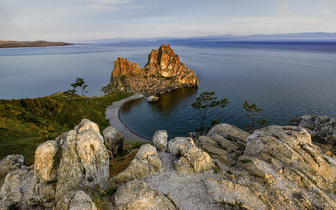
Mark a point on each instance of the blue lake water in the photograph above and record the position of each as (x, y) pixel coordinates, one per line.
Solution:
(285, 80)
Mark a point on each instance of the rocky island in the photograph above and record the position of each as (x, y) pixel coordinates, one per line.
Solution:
(162, 73)
(276, 167)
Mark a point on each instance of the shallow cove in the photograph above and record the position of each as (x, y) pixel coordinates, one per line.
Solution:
(159, 116)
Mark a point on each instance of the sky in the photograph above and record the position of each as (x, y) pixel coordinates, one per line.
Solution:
(81, 20)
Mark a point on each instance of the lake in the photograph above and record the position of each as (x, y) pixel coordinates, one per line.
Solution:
(286, 80)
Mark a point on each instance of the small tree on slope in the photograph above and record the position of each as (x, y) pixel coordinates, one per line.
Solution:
(253, 111)
(206, 101)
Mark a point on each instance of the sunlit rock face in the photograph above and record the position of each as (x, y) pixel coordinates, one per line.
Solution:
(162, 73)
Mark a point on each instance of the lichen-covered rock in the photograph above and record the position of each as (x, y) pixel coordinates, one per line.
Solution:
(138, 195)
(163, 72)
(146, 162)
(227, 192)
(19, 188)
(160, 140)
(294, 168)
(10, 163)
(84, 160)
(44, 160)
(185, 147)
(321, 128)
(76, 200)
(114, 140)
(228, 131)
(292, 146)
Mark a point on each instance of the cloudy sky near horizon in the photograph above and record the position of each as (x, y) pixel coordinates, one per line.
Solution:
(80, 20)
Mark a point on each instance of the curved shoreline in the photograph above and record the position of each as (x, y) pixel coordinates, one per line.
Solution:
(112, 114)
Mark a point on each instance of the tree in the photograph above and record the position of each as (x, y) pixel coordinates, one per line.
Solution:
(253, 111)
(206, 101)
(79, 83)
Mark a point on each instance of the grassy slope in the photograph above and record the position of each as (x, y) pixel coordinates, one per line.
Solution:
(26, 123)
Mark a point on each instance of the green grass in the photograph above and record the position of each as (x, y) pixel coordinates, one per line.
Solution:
(137, 144)
(25, 123)
(246, 161)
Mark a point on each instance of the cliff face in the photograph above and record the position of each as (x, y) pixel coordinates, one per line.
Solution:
(162, 73)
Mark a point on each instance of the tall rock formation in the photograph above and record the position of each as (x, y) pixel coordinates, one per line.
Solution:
(162, 73)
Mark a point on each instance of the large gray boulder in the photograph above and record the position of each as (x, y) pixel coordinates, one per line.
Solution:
(114, 140)
(84, 160)
(146, 162)
(76, 160)
(76, 200)
(10, 163)
(18, 189)
(160, 140)
(321, 128)
(228, 131)
(191, 159)
(138, 195)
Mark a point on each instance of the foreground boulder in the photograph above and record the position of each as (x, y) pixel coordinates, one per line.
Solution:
(160, 140)
(114, 140)
(224, 143)
(76, 200)
(191, 159)
(138, 195)
(162, 73)
(18, 189)
(146, 162)
(321, 128)
(10, 163)
(76, 160)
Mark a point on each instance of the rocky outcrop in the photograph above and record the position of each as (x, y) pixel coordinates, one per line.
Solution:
(76, 200)
(162, 73)
(190, 158)
(225, 143)
(114, 141)
(322, 129)
(138, 195)
(160, 140)
(10, 163)
(76, 160)
(277, 167)
(146, 162)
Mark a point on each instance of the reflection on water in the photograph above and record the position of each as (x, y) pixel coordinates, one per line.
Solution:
(166, 113)
(174, 100)
(125, 109)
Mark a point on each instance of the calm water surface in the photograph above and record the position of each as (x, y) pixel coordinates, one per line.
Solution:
(285, 80)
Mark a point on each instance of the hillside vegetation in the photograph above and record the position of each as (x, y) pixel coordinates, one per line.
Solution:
(25, 123)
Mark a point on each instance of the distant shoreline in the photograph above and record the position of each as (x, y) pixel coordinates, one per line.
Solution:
(18, 44)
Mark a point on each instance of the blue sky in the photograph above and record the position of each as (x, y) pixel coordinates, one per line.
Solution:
(80, 20)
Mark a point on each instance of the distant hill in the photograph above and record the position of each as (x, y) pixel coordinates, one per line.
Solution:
(317, 37)
(12, 44)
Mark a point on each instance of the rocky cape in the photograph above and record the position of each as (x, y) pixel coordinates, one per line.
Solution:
(162, 73)
(276, 167)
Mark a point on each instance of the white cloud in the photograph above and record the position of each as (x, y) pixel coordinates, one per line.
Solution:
(284, 10)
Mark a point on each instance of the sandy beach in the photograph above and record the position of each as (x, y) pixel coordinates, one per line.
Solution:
(112, 114)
